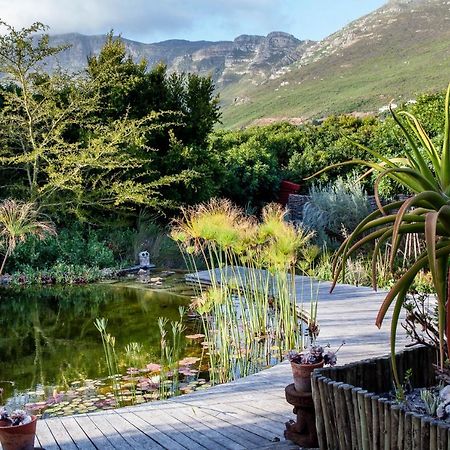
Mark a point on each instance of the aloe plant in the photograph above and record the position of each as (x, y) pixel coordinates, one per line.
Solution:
(424, 170)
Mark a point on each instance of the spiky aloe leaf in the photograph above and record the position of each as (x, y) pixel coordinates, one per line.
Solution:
(393, 338)
(429, 199)
(427, 144)
(442, 249)
(445, 156)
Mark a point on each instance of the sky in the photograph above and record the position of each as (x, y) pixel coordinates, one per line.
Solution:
(212, 20)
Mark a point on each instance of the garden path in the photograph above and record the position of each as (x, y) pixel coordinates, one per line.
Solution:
(245, 414)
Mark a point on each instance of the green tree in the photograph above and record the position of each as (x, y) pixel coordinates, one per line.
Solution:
(86, 145)
(184, 106)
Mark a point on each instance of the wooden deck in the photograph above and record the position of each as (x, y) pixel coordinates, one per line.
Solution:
(246, 414)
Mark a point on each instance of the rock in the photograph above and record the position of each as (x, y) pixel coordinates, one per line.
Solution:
(444, 394)
(156, 280)
(226, 61)
(166, 273)
(107, 273)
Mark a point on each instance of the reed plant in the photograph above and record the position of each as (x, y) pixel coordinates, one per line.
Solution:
(109, 344)
(171, 346)
(133, 353)
(251, 265)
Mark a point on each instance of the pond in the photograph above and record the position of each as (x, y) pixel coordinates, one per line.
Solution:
(51, 354)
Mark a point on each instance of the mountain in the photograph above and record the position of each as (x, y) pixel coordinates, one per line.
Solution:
(253, 58)
(395, 52)
(399, 50)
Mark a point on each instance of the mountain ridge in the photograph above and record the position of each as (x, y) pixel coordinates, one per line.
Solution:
(251, 56)
(397, 51)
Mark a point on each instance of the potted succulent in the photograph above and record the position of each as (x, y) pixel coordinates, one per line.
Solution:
(303, 364)
(17, 430)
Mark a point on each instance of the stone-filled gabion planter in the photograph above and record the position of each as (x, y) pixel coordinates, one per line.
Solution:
(351, 413)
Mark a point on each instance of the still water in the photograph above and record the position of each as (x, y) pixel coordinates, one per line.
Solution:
(51, 354)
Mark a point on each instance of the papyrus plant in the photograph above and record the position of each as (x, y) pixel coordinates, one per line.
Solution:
(424, 170)
(251, 264)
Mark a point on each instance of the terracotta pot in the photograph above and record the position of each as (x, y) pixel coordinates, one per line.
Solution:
(302, 375)
(20, 437)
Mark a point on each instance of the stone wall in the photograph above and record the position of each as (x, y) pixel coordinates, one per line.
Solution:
(296, 203)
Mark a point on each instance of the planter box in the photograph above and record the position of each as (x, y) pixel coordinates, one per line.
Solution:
(352, 415)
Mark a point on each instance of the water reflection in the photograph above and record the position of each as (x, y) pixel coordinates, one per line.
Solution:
(49, 341)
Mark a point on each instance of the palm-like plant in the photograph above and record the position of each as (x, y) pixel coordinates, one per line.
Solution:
(17, 221)
(425, 171)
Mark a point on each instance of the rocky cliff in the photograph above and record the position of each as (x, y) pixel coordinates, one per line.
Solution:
(255, 57)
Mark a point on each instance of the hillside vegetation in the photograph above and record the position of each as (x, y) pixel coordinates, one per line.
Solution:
(393, 53)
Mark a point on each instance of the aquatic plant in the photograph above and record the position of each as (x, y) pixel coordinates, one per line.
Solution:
(170, 353)
(109, 344)
(251, 307)
(133, 355)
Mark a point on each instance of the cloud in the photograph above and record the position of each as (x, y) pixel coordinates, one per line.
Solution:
(148, 20)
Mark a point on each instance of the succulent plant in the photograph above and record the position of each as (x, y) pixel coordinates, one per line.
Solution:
(17, 417)
(314, 354)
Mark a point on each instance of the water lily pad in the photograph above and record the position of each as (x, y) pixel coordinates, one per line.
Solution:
(152, 367)
(195, 336)
(188, 361)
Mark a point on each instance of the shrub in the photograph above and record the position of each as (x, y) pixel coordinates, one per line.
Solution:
(334, 210)
(71, 247)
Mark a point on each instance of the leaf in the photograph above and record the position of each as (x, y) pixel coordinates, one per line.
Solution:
(407, 278)
(445, 157)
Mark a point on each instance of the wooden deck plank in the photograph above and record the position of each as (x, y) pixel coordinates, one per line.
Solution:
(216, 436)
(276, 415)
(135, 437)
(62, 437)
(97, 437)
(248, 422)
(236, 433)
(77, 434)
(45, 436)
(161, 440)
(271, 428)
(169, 426)
(196, 434)
(116, 440)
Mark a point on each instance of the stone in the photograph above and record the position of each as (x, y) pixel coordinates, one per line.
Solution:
(444, 394)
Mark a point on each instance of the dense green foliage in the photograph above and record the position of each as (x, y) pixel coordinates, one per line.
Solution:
(79, 247)
(104, 143)
(122, 136)
(101, 147)
(255, 160)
